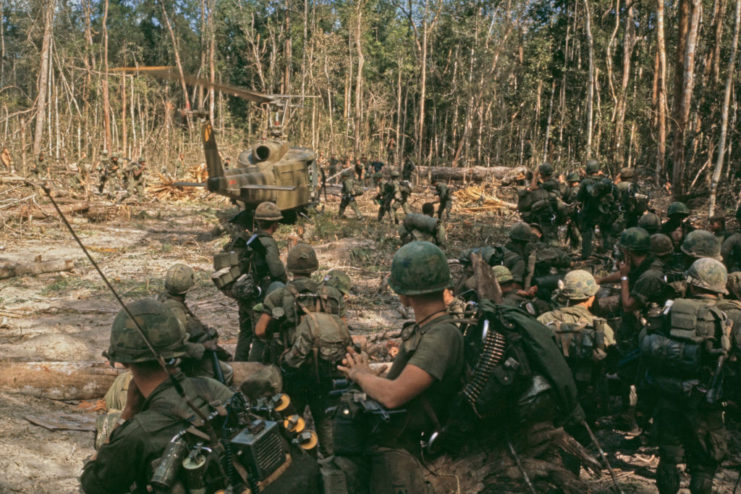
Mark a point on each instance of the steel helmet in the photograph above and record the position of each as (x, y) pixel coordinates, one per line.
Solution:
(545, 170)
(268, 211)
(635, 239)
(521, 231)
(661, 245)
(302, 259)
(159, 325)
(678, 209)
(593, 167)
(502, 274)
(701, 243)
(419, 268)
(579, 285)
(708, 274)
(650, 222)
(179, 279)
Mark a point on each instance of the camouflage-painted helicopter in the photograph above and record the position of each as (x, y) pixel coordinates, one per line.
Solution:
(270, 170)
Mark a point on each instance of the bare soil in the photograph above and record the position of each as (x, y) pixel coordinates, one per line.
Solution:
(67, 316)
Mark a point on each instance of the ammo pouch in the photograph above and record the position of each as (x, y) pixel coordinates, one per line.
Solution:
(226, 270)
(582, 343)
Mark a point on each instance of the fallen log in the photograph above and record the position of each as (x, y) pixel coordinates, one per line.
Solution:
(9, 269)
(32, 211)
(58, 380)
(474, 173)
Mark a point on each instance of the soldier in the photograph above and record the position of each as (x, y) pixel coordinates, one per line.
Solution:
(669, 263)
(423, 227)
(422, 381)
(731, 248)
(445, 200)
(584, 339)
(262, 271)
(717, 226)
(542, 202)
(572, 209)
(333, 162)
(154, 411)
(698, 244)
(689, 412)
(597, 197)
(386, 197)
(408, 170)
(405, 191)
(520, 240)
(512, 291)
(304, 341)
(350, 190)
(133, 177)
(632, 202)
(205, 356)
(360, 168)
(677, 226)
(377, 173)
(650, 222)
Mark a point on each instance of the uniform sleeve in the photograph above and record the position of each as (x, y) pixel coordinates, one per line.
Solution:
(609, 335)
(272, 301)
(117, 463)
(648, 287)
(275, 265)
(300, 350)
(439, 351)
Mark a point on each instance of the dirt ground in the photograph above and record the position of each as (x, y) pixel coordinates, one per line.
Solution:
(67, 316)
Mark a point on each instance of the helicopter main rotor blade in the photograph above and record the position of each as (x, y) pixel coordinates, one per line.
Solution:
(169, 73)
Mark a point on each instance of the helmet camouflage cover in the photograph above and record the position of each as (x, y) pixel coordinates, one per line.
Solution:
(502, 274)
(701, 243)
(394, 173)
(650, 222)
(572, 177)
(419, 268)
(635, 239)
(180, 278)
(338, 279)
(546, 169)
(677, 209)
(158, 324)
(708, 274)
(661, 245)
(579, 285)
(302, 259)
(593, 166)
(521, 231)
(268, 211)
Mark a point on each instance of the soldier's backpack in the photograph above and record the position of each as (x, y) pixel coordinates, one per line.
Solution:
(321, 337)
(684, 349)
(233, 267)
(582, 344)
(421, 222)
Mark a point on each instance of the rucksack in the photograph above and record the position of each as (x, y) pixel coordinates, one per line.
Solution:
(582, 344)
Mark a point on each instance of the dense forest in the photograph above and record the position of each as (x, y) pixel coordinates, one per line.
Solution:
(444, 82)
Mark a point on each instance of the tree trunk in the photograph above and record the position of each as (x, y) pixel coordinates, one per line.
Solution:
(43, 79)
(724, 113)
(590, 79)
(661, 92)
(178, 63)
(211, 63)
(106, 100)
(359, 78)
(628, 43)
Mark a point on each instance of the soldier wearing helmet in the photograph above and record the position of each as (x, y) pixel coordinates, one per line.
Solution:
(650, 222)
(731, 248)
(698, 244)
(632, 202)
(571, 209)
(445, 200)
(688, 412)
(540, 203)
(154, 410)
(350, 190)
(261, 271)
(677, 226)
(204, 352)
(598, 197)
(424, 376)
(583, 338)
(388, 198)
(301, 347)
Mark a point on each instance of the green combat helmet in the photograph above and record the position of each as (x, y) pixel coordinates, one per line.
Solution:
(635, 239)
(302, 260)
(573, 177)
(520, 231)
(502, 274)
(579, 285)
(419, 268)
(339, 280)
(593, 167)
(179, 279)
(734, 285)
(708, 274)
(701, 243)
(627, 173)
(268, 211)
(394, 173)
(650, 222)
(661, 245)
(545, 170)
(158, 324)
(678, 209)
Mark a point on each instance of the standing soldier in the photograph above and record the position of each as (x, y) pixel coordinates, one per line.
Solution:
(597, 197)
(333, 161)
(261, 272)
(405, 192)
(386, 197)
(408, 170)
(445, 200)
(677, 226)
(584, 340)
(133, 176)
(632, 202)
(306, 338)
(543, 204)
(350, 190)
(572, 209)
(684, 352)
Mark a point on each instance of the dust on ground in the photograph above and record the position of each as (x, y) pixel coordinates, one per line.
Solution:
(67, 316)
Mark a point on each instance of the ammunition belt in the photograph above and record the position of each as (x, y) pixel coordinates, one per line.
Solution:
(491, 355)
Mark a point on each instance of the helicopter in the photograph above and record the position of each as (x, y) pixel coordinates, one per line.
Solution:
(270, 170)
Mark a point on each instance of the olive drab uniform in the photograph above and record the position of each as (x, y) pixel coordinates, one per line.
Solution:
(422, 227)
(584, 340)
(127, 457)
(631, 203)
(388, 462)
(542, 208)
(133, 177)
(405, 191)
(597, 196)
(350, 191)
(683, 353)
(386, 198)
(445, 196)
(407, 170)
(260, 266)
(731, 252)
(311, 340)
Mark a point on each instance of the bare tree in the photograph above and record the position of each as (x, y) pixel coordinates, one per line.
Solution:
(106, 100)
(43, 79)
(590, 80)
(661, 90)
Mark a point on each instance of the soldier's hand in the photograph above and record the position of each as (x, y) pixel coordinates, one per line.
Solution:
(355, 364)
(624, 268)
